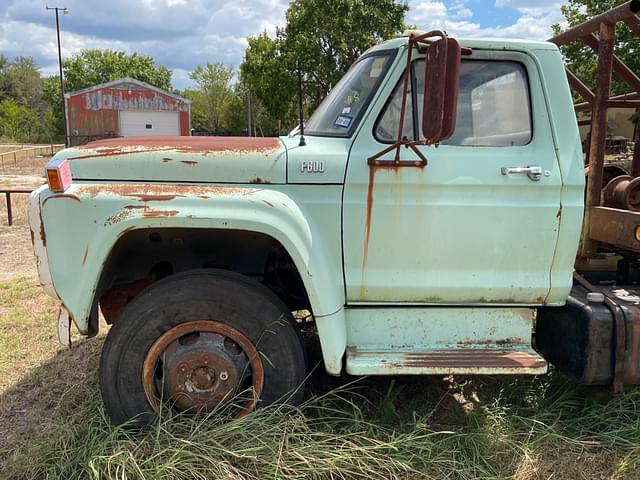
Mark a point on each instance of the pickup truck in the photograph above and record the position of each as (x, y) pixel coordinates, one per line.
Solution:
(428, 221)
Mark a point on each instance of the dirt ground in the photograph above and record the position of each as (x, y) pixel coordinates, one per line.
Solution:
(28, 403)
(16, 257)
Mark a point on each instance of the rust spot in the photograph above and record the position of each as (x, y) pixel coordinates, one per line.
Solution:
(117, 297)
(373, 169)
(118, 217)
(43, 236)
(259, 180)
(211, 397)
(267, 202)
(151, 197)
(184, 144)
(494, 341)
(148, 213)
(189, 162)
(160, 192)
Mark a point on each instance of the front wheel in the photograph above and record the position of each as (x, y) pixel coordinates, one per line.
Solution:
(196, 341)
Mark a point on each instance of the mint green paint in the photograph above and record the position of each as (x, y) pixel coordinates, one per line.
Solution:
(570, 158)
(454, 233)
(168, 165)
(457, 229)
(329, 153)
(438, 328)
(304, 219)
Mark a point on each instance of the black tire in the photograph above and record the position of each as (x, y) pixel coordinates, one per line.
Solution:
(220, 296)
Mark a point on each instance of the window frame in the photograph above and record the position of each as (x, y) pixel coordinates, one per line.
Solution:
(416, 120)
(391, 53)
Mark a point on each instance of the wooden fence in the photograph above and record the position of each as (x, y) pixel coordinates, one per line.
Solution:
(28, 152)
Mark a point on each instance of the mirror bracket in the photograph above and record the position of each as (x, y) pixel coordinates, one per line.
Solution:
(421, 43)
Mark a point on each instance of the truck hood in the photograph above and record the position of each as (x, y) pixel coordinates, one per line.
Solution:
(180, 159)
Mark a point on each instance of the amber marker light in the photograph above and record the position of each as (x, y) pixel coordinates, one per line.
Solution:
(637, 232)
(58, 175)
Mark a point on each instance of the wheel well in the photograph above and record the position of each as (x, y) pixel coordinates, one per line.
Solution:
(141, 257)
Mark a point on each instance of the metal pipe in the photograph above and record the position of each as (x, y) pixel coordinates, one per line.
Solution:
(612, 103)
(599, 129)
(9, 212)
(619, 67)
(302, 142)
(634, 24)
(580, 87)
(613, 16)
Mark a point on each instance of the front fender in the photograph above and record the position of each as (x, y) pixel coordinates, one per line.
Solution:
(82, 226)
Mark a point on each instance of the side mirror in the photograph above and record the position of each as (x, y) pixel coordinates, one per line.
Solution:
(442, 69)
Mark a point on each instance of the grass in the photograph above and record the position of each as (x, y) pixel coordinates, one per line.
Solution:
(53, 426)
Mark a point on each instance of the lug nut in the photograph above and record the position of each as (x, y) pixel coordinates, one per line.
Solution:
(224, 376)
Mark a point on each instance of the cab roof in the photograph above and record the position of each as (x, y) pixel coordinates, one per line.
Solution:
(476, 43)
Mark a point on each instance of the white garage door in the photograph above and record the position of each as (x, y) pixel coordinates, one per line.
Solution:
(144, 122)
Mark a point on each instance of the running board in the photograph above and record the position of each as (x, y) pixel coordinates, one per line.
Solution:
(468, 361)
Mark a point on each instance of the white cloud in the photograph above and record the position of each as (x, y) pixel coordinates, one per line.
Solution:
(185, 33)
(534, 23)
(178, 33)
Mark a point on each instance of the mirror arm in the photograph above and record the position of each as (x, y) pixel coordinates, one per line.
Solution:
(418, 42)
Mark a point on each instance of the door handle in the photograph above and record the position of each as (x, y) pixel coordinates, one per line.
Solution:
(535, 173)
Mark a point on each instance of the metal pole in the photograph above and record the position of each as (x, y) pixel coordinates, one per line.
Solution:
(621, 12)
(9, 212)
(302, 142)
(249, 112)
(599, 129)
(64, 107)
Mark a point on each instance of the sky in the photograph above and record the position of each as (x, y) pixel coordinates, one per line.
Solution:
(182, 34)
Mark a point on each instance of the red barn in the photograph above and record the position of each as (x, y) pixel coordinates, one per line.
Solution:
(125, 107)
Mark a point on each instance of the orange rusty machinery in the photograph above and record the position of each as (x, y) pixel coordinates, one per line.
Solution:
(612, 216)
(595, 337)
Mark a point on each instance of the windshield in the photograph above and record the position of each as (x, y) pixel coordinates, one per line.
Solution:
(340, 111)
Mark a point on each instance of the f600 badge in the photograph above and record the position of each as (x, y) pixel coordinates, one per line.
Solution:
(312, 167)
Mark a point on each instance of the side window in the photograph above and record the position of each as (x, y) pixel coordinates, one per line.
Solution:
(493, 106)
(386, 129)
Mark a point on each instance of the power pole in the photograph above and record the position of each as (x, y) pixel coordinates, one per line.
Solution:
(249, 110)
(64, 10)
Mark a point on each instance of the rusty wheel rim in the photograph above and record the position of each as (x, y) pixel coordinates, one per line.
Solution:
(200, 366)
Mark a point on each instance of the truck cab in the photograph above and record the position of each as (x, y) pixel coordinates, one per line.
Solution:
(413, 256)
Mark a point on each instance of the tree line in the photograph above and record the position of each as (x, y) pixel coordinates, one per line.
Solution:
(319, 42)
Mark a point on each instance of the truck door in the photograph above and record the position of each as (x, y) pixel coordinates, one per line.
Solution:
(479, 223)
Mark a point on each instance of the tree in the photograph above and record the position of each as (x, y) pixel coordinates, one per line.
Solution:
(268, 73)
(214, 81)
(18, 122)
(53, 114)
(199, 121)
(323, 37)
(95, 66)
(20, 80)
(327, 36)
(581, 59)
(233, 114)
